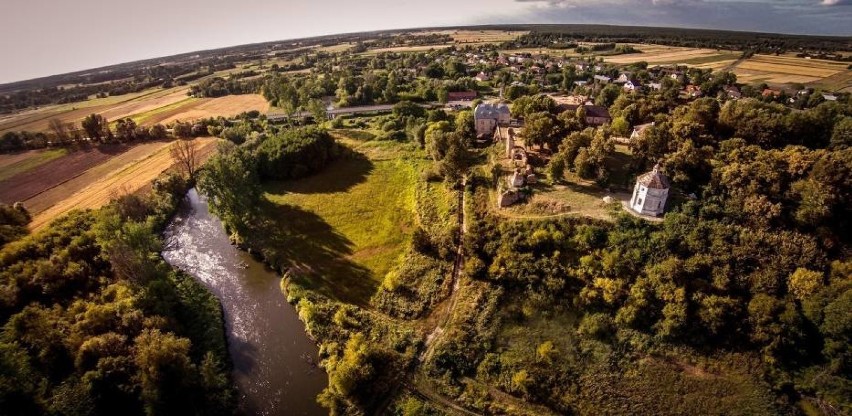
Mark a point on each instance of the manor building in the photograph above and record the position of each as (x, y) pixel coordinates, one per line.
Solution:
(488, 116)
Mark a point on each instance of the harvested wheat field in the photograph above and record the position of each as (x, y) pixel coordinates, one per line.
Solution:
(168, 97)
(111, 107)
(841, 81)
(786, 69)
(403, 49)
(123, 176)
(195, 109)
(484, 36)
(659, 55)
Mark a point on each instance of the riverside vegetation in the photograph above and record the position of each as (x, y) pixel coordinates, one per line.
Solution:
(95, 322)
(738, 298)
(735, 303)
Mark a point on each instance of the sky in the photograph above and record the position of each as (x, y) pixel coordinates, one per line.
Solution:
(47, 37)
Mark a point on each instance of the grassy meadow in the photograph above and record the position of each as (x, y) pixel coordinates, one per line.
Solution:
(349, 224)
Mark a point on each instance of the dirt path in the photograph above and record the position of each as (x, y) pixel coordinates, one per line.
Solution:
(417, 383)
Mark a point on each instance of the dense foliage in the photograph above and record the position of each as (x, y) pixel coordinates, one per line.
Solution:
(295, 153)
(95, 322)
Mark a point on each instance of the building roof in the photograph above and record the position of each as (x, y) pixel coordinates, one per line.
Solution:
(654, 179)
(489, 110)
(461, 95)
(639, 129)
(591, 110)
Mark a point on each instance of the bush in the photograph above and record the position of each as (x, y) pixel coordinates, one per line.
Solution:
(295, 153)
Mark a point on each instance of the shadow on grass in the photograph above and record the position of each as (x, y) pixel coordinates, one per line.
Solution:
(316, 253)
(619, 165)
(342, 174)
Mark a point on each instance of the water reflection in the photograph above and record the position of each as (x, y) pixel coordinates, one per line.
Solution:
(274, 361)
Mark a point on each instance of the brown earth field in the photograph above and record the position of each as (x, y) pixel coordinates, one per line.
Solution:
(95, 189)
(26, 185)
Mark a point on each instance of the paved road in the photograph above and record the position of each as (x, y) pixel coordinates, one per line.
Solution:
(379, 108)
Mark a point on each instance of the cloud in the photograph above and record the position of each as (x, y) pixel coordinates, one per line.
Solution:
(779, 16)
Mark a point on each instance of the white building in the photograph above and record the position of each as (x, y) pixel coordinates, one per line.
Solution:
(487, 116)
(650, 193)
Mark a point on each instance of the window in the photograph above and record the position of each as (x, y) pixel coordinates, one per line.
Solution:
(639, 202)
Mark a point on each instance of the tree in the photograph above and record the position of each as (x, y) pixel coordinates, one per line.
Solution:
(317, 110)
(183, 129)
(96, 126)
(157, 132)
(59, 129)
(541, 128)
(231, 183)
(164, 371)
(185, 154)
(521, 381)
(841, 136)
(546, 351)
(608, 95)
(126, 129)
(804, 283)
(620, 126)
(556, 168)
(465, 124)
(456, 160)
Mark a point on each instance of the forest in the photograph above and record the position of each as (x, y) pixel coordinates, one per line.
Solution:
(94, 322)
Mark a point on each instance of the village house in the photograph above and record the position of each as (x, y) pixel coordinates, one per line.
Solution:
(461, 95)
(693, 91)
(487, 116)
(829, 97)
(656, 86)
(639, 131)
(650, 193)
(623, 77)
(603, 79)
(733, 92)
(770, 92)
(482, 77)
(632, 85)
(581, 83)
(596, 115)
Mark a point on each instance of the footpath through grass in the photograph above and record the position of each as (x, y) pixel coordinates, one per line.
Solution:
(343, 229)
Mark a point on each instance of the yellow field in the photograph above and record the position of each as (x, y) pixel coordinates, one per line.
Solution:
(401, 49)
(790, 69)
(155, 106)
(657, 54)
(124, 105)
(123, 174)
(226, 106)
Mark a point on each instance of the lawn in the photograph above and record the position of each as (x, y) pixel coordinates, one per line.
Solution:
(30, 161)
(346, 227)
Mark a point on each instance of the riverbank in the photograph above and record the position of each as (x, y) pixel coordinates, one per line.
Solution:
(275, 364)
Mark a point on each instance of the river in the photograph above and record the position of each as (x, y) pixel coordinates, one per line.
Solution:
(274, 361)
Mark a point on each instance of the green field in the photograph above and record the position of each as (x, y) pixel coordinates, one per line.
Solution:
(37, 159)
(347, 226)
